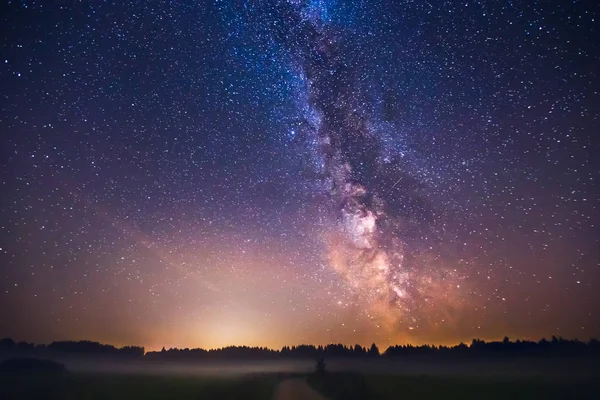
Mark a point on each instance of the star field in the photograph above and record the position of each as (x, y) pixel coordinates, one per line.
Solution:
(282, 172)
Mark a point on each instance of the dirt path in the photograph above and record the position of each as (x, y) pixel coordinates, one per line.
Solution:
(296, 389)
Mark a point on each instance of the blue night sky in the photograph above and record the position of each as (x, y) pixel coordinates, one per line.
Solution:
(280, 172)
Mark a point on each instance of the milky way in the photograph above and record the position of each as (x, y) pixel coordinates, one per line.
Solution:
(282, 172)
(376, 201)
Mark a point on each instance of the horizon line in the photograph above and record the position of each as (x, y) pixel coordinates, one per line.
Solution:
(455, 344)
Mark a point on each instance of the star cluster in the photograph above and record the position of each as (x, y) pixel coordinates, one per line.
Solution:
(282, 172)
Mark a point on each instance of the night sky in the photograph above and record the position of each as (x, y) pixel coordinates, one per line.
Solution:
(209, 173)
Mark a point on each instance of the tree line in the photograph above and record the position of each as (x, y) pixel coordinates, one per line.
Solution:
(83, 347)
(554, 347)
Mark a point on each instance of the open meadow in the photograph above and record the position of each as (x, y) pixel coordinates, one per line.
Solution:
(331, 385)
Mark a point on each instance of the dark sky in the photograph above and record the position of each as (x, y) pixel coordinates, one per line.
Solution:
(280, 172)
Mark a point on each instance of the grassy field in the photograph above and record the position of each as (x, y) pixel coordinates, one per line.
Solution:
(106, 386)
(384, 387)
(333, 385)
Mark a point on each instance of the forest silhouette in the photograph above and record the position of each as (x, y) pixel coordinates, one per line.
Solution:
(556, 347)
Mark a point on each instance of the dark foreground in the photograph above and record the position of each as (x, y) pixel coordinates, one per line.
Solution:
(264, 386)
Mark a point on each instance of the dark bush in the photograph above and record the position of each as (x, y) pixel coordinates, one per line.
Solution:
(320, 366)
(21, 366)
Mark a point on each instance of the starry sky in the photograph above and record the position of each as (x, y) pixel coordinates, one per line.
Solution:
(210, 173)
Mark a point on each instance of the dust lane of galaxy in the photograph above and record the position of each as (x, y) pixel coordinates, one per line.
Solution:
(283, 172)
(375, 199)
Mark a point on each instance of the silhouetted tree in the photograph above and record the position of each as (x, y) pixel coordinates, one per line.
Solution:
(374, 350)
(320, 366)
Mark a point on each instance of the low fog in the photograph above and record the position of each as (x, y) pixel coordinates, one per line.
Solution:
(555, 369)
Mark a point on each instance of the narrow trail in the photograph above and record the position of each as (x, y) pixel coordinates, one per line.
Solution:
(296, 389)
